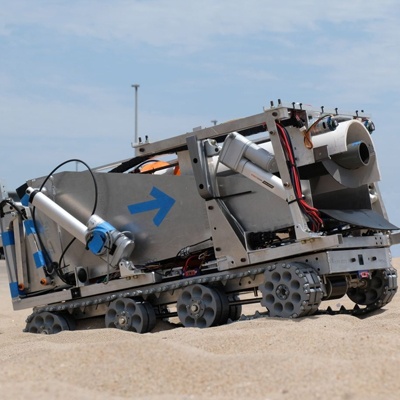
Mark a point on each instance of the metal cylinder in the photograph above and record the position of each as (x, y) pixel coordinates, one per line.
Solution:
(356, 156)
(352, 160)
(336, 287)
(327, 124)
(262, 178)
(57, 214)
(259, 156)
(236, 147)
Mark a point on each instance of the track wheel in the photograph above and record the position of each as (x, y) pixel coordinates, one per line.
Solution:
(235, 310)
(130, 315)
(49, 323)
(377, 291)
(201, 306)
(291, 290)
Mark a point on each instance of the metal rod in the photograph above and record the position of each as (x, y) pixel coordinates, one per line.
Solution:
(136, 86)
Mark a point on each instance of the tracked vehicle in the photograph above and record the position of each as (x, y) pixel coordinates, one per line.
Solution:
(280, 208)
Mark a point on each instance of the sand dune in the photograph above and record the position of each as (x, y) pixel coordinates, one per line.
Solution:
(319, 357)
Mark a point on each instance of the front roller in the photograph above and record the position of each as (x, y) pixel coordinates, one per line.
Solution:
(49, 323)
(375, 291)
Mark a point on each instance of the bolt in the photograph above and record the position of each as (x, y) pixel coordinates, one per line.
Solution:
(194, 308)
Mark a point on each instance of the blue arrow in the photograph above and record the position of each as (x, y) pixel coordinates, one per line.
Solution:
(161, 201)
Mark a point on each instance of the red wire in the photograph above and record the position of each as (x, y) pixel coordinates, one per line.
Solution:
(312, 212)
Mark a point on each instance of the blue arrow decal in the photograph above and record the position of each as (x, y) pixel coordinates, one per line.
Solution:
(161, 201)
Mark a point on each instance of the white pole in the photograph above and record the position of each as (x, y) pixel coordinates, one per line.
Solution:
(136, 86)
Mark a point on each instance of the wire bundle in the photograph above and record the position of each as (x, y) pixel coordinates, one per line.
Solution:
(311, 212)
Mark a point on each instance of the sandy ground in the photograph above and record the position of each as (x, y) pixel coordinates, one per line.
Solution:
(319, 357)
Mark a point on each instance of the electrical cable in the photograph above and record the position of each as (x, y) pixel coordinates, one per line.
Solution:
(57, 267)
(11, 204)
(298, 123)
(87, 167)
(311, 212)
(185, 251)
(309, 131)
(307, 139)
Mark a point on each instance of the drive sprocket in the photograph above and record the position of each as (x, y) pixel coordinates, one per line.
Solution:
(378, 290)
(49, 323)
(291, 290)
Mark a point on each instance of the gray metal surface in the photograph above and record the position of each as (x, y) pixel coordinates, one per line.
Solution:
(116, 192)
(364, 218)
(267, 212)
(176, 143)
(347, 260)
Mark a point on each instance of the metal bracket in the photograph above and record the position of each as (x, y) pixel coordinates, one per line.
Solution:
(300, 224)
(202, 169)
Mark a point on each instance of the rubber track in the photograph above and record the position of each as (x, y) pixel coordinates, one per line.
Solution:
(389, 292)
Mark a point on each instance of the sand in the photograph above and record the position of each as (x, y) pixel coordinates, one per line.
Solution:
(319, 357)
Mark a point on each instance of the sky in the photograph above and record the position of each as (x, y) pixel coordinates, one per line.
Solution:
(67, 66)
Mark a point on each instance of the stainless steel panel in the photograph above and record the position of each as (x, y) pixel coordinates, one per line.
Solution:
(184, 224)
